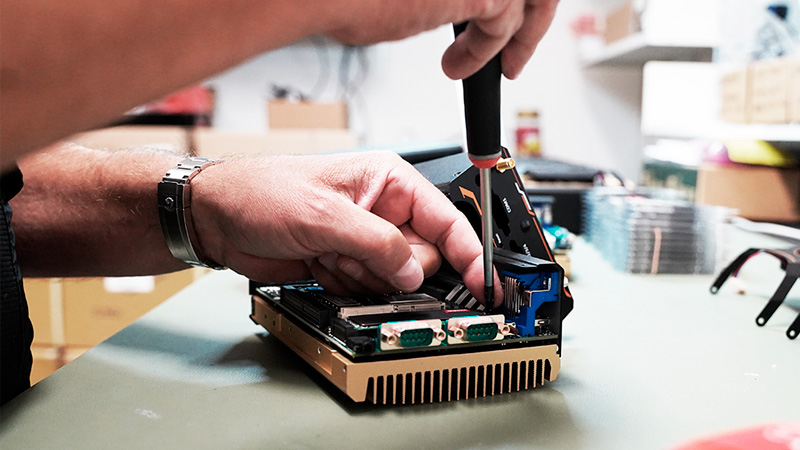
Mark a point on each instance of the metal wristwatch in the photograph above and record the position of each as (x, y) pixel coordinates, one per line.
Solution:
(174, 201)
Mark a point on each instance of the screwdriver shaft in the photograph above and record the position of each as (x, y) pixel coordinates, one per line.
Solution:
(488, 234)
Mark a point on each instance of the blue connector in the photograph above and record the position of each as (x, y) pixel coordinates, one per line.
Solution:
(532, 291)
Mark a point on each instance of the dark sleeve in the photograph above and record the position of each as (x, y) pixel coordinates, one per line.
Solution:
(10, 184)
(16, 332)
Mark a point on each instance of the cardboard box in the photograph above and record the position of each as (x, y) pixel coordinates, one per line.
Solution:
(734, 96)
(93, 312)
(565, 262)
(46, 360)
(218, 144)
(758, 193)
(306, 115)
(44, 309)
(769, 91)
(621, 23)
(794, 91)
(172, 138)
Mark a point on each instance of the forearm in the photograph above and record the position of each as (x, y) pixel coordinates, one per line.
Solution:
(87, 212)
(69, 66)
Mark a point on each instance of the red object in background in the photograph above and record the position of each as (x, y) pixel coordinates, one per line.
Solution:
(768, 437)
(190, 107)
(196, 100)
(583, 25)
(528, 134)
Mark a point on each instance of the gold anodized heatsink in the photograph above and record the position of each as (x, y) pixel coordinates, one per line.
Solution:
(423, 379)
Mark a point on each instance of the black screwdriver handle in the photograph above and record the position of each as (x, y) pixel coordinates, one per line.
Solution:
(482, 109)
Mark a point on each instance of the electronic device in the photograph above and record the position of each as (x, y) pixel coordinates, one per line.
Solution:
(439, 343)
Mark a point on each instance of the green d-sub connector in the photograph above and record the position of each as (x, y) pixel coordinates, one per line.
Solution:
(481, 332)
(420, 337)
(462, 330)
(411, 333)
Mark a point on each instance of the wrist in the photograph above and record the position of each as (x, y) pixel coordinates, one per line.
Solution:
(175, 212)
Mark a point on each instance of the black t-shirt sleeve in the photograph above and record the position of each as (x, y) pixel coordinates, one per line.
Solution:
(16, 332)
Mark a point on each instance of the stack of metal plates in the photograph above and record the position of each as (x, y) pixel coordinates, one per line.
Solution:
(655, 230)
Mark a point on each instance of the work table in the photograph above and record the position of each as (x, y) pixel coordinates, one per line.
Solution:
(649, 361)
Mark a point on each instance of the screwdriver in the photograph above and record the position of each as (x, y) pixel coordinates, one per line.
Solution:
(482, 114)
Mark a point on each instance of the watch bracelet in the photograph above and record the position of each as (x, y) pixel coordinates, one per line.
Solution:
(174, 201)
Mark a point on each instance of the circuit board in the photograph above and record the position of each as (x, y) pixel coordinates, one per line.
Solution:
(440, 317)
(438, 343)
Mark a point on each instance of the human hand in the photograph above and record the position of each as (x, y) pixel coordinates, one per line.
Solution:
(510, 27)
(359, 221)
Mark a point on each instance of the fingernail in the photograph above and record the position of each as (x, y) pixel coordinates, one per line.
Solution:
(328, 260)
(409, 277)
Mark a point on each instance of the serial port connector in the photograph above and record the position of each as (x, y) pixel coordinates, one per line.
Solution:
(411, 333)
(476, 329)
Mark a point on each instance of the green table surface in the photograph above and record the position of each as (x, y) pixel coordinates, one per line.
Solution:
(649, 362)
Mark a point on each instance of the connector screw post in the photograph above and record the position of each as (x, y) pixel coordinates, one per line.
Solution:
(504, 164)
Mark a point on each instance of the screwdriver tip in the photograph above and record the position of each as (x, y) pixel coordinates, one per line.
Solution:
(488, 295)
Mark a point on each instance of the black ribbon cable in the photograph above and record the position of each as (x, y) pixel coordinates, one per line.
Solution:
(733, 267)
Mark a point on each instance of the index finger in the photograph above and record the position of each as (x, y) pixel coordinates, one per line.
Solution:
(538, 17)
(483, 38)
(514, 32)
(408, 197)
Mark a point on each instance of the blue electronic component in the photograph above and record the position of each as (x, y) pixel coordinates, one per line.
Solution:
(526, 293)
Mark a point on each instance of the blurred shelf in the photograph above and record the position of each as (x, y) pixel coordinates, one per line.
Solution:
(777, 133)
(789, 132)
(637, 49)
(681, 100)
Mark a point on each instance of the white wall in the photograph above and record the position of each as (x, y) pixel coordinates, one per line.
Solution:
(589, 116)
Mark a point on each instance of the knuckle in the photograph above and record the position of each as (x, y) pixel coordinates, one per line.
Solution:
(388, 156)
(490, 7)
(519, 20)
(386, 240)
